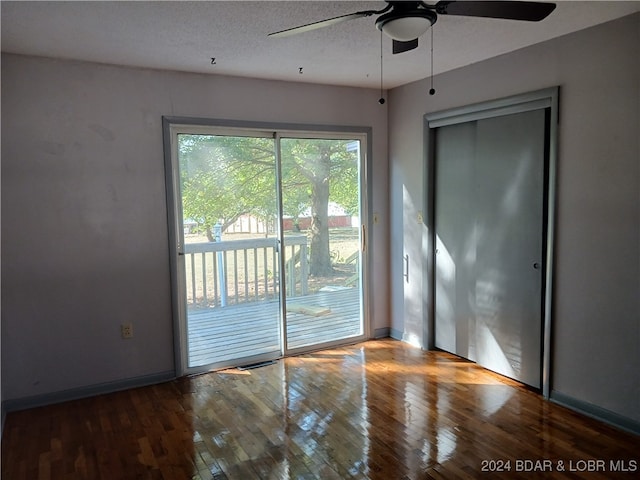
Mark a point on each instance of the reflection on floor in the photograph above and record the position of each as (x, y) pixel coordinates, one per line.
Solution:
(376, 410)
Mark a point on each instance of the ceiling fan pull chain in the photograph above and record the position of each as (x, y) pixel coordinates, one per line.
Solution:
(381, 101)
(432, 91)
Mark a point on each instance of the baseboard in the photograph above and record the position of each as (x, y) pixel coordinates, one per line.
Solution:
(382, 332)
(596, 412)
(396, 334)
(13, 405)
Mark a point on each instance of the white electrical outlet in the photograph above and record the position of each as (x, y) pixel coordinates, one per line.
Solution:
(126, 329)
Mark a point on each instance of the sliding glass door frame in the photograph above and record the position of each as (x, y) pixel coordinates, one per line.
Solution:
(172, 126)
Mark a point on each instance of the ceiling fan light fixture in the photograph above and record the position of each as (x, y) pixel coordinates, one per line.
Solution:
(406, 26)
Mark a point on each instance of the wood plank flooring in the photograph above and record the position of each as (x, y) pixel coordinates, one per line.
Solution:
(375, 410)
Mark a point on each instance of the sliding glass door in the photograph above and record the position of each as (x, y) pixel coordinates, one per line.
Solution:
(321, 206)
(229, 255)
(269, 242)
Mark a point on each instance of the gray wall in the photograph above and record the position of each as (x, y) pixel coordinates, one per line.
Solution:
(596, 320)
(84, 220)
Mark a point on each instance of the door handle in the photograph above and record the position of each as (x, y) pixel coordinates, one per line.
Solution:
(406, 268)
(536, 265)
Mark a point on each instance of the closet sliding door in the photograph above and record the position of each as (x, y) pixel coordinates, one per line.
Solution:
(490, 241)
(455, 240)
(509, 200)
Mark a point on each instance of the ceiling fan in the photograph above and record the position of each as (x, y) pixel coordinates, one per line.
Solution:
(405, 21)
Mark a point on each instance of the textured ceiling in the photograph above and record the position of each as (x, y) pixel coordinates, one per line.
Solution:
(184, 36)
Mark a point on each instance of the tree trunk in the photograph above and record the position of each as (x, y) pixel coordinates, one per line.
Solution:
(209, 233)
(320, 261)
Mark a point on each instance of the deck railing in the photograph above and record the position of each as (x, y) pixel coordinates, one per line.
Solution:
(237, 271)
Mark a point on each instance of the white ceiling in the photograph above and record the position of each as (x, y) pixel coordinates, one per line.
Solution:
(184, 36)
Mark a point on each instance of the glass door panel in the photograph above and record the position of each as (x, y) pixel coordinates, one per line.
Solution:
(322, 240)
(229, 250)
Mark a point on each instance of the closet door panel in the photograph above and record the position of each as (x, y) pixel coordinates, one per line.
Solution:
(509, 192)
(455, 239)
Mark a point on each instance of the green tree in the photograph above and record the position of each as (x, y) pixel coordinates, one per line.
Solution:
(327, 169)
(226, 177)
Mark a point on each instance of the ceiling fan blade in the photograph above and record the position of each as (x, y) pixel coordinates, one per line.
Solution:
(528, 11)
(400, 47)
(321, 24)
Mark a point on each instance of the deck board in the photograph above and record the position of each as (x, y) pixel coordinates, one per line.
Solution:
(219, 334)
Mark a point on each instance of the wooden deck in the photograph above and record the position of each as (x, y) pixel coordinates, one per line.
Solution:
(221, 334)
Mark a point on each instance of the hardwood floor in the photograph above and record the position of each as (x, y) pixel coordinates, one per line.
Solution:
(378, 410)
